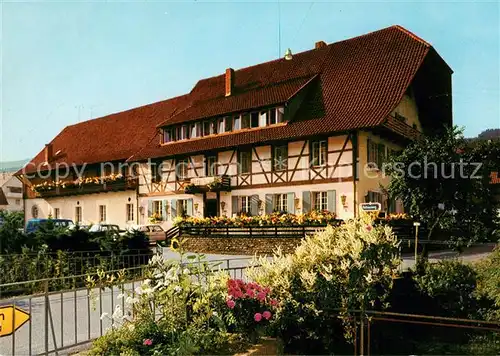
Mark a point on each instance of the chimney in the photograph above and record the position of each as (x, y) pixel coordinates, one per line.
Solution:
(48, 152)
(229, 81)
(319, 44)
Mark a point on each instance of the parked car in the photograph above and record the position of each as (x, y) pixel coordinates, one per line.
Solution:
(154, 232)
(34, 225)
(101, 229)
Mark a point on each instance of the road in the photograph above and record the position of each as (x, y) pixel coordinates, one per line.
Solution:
(74, 317)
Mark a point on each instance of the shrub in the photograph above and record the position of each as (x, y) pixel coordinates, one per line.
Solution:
(180, 309)
(488, 284)
(346, 267)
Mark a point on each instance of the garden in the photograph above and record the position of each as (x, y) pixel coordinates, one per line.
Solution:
(54, 252)
(309, 302)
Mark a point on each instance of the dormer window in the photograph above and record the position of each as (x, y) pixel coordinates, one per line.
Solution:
(224, 124)
(168, 135)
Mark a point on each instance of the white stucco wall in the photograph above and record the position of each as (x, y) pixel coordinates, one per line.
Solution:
(115, 203)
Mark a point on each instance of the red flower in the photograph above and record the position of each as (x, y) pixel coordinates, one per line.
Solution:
(147, 342)
(257, 317)
(230, 303)
(267, 315)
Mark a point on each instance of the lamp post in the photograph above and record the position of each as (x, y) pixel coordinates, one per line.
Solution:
(416, 224)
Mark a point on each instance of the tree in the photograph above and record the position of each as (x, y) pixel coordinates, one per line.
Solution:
(444, 182)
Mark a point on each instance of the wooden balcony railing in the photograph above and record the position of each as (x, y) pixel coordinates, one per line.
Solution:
(113, 186)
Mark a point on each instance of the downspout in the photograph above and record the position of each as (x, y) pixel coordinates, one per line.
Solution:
(354, 142)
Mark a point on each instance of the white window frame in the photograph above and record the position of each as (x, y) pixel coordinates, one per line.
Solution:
(182, 166)
(130, 212)
(320, 200)
(281, 202)
(319, 153)
(280, 164)
(102, 213)
(158, 207)
(263, 116)
(244, 204)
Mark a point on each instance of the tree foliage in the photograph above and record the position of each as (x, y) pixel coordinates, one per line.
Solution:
(445, 183)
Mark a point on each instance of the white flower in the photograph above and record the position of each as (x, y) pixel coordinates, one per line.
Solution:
(104, 315)
(146, 282)
(186, 271)
(215, 313)
(177, 289)
(117, 313)
(138, 290)
(130, 301)
(120, 296)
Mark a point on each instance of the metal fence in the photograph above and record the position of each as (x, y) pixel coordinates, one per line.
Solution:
(65, 319)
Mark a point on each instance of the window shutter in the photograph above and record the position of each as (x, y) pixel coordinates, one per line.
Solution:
(306, 202)
(290, 200)
(332, 201)
(381, 155)
(269, 203)
(189, 211)
(254, 205)
(368, 150)
(164, 210)
(150, 208)
(234, 204)
(173, 208)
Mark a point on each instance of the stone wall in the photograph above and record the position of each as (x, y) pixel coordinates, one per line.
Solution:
(239, 246)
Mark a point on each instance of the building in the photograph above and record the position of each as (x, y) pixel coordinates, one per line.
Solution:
(310, 132)
(11, 192)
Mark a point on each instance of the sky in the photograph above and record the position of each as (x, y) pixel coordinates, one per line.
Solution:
(65, 62)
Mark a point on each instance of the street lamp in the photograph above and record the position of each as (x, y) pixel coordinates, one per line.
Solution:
(416, 224)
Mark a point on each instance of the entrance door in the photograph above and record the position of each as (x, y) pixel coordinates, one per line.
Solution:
(211, 208)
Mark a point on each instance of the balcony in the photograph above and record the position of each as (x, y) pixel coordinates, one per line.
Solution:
(87, 186)
(208, 184)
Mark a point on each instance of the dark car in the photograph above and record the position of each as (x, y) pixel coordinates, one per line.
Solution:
(34, 225)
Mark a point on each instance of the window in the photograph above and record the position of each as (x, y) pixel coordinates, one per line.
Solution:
(245, 121)
(192, 131)
(263, 118)
(272, 117)
(374, 197)
(213, 127)
(130, 212)
(206, 128)
(245, 161)
(280, 115)
(78, 214)
(320, 200)
(244, 205)
(318, 153)
(183, 132)
(182, 207)
(376, 154)
(281, 202)
(18, 201)
(221, 126)
(211, 166)
(237, 122)
(168, 135)
(280, 158)
(157, 208)
(156, 172)
(182, 169)
(102, 213)
(57, 213)
(228, 124)
(254, 119)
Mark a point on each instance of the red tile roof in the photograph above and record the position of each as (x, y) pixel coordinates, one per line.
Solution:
(353, 84)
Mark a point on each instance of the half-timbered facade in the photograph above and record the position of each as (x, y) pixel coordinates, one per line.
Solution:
(310, 133)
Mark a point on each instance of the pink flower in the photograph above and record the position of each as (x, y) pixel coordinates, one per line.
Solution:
(267, 315)
(257, 317)
(369, 227)
(261, 296)
(274, 302)
(230, 303)
(147, 342)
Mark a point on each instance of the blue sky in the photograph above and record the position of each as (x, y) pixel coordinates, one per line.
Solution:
(65, 62)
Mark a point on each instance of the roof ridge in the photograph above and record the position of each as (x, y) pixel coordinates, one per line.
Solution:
(412, 35)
